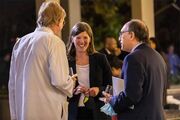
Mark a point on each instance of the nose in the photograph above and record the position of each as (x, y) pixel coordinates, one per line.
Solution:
(81, 41)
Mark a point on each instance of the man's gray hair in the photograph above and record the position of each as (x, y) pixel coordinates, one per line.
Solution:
(50, 13)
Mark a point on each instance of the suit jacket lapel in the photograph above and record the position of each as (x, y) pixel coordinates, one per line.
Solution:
(91, 63)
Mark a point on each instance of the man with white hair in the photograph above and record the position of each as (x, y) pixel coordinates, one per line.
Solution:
(39, 80)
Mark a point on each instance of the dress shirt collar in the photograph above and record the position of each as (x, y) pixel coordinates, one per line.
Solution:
(136, 46)
(107, 51)
(45, 29)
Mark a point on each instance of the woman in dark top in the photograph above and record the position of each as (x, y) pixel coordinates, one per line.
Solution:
(94, 74)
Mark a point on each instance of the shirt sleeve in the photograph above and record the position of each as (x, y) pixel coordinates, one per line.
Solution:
(11, 87)
(59, 70)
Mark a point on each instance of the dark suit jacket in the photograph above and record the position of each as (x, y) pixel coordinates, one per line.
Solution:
(104, 51)
(108, 55)
(144, 73)
(100, 76)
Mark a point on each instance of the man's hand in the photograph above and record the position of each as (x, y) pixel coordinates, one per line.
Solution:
(74, 77)
(106, 98)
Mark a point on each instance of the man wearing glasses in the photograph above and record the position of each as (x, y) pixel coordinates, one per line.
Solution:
(144, 73)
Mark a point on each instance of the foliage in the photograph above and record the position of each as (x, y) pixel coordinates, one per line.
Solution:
(106, 17)
(174, 79)
(3, 92)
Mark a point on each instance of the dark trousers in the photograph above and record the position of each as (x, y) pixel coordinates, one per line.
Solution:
(84, 114)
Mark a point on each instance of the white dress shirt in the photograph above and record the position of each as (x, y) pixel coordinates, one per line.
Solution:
(83, 79)
(39, 77)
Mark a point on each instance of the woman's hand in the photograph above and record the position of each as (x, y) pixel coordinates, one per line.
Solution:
(80, 89)
(86, 91)
(93, 91)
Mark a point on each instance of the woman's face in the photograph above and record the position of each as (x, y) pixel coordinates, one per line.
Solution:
(81, 41)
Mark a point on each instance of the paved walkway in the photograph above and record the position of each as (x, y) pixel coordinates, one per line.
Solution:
(174, 94)
(171, 114)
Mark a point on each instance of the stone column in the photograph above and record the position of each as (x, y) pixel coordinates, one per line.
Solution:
(38, 4)
(144, 10)
(73, 10)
